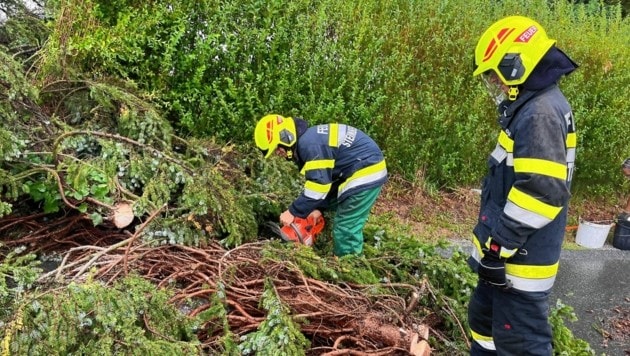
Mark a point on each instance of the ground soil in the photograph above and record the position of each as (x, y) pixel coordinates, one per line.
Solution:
(443, 213)
(453, 213)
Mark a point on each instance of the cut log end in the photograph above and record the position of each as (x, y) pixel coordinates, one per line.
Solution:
(123, 215)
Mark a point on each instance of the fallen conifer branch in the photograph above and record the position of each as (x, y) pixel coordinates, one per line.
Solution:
(338, 318)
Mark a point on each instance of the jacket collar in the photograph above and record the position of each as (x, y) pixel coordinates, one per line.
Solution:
(507, 109)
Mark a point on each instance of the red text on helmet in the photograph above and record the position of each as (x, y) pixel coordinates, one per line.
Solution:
(527, 34)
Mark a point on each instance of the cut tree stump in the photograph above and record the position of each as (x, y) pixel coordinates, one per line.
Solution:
(422, 347)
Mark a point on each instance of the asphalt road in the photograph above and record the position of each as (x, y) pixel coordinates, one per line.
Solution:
(595, 282)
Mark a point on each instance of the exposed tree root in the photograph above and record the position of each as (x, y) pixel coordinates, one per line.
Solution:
(338, 319)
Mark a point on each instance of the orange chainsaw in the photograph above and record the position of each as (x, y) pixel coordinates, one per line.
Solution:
(301, 231)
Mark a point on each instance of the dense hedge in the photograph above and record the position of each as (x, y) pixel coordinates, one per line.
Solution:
(400, 70)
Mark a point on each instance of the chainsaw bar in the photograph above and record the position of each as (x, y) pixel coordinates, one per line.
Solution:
(275, 228)
(297, 232)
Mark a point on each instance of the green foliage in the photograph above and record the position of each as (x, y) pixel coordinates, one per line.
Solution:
(22, 27)
(215, 68)
(378, 64)
(21, 271)
(15, 93)
(216, 317)
(403, 258)
(406, 254)
(564, 343)
(109, 144)
(312, 264)
(275, 183)
(278, 334)
(212, 69)
(131, 317)
(46, 192)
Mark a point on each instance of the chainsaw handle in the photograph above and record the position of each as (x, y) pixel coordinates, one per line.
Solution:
(296, 228)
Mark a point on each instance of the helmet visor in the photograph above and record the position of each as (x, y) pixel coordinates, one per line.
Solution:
(493, 86)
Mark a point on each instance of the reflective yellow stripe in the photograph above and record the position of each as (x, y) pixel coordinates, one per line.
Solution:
(531, 271)
(318, 164)
(477, 336)
(524, 277)
(333, 134)
(540, 166)
(530, 203)
(475, 242)
(506, 142)
(484, 341)
(316, 187)
(572, 140)
(363, 172)
(503, 252)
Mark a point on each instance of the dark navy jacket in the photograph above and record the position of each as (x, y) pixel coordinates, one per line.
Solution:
(337, 160)
(526, 192)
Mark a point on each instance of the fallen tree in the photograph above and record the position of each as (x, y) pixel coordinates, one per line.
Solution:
(233, 288)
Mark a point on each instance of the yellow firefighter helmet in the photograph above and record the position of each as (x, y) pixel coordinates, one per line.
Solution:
(274, 130)
(511, 47)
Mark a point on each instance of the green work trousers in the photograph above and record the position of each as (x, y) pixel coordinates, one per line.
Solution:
(350, 218)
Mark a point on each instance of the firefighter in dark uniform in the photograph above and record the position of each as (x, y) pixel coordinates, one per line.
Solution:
(523, 211)
(344, 170)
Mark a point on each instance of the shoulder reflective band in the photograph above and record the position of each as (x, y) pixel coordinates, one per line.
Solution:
(333, 135)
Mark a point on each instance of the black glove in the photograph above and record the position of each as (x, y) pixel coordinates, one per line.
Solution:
(492, 268)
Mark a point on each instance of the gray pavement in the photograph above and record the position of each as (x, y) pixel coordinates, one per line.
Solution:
(594, 282)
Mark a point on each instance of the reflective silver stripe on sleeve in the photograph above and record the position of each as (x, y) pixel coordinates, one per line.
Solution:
(314, 195)
(474, 253)
(571, 155)
(570, 163)
(525, 216)
(499, 153)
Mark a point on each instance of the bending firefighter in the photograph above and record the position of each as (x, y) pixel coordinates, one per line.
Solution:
(525, 194)
(344, 171)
